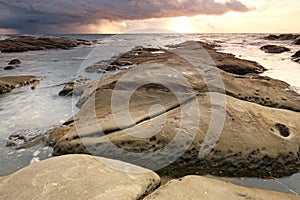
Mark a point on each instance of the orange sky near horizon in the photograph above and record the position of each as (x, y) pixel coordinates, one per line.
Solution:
(266, 16)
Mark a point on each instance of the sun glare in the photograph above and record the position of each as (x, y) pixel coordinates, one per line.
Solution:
(182, 25)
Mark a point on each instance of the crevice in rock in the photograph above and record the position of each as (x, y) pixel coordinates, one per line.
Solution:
(107, 132)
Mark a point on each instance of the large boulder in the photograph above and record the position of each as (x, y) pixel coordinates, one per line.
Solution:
(274, 49)
(196, 187)
(8, 83)
(79, 177)
(250, 106)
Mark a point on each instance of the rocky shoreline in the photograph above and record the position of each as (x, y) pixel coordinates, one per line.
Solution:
(134, 143)
(33, 43)
(256, 107)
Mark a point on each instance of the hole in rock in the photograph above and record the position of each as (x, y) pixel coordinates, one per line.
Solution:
(282, 129)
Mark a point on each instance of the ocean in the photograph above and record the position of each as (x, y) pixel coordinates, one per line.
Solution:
(36, 111)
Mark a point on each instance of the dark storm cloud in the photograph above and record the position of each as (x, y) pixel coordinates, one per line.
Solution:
(35, 16)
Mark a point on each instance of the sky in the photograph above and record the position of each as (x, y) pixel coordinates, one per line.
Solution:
(130, 16)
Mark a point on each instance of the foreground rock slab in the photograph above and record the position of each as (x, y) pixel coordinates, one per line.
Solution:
(8, 83)
(79, 177)
(196, 187)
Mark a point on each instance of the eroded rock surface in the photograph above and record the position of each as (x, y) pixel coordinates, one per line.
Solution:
(8, 83)
(79, 177)
(260, 136)
(196, 187)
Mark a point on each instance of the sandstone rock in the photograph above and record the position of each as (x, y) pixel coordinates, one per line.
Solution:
(8, 83)
(31, 43)
(238, 151)
(15, 62)
(79, 177)
(74, 87)
(196, 187)
(282, 37)
(226, 62)
(274, 49)
(252, 112)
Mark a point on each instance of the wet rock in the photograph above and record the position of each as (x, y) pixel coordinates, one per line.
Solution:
(32, 43)
(74, 87)
(282, 37)
(255, 105)
(136, 56)
(102, 67)
(229, 63)
(197, 187)
(296, 57)
(79, 177)
(35, 84)
(8, 83)
(297, 41)
(28, 138)
(15, 62)
(274, 49)
(10, 67)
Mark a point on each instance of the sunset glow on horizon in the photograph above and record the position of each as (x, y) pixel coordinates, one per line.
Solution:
(195, 16)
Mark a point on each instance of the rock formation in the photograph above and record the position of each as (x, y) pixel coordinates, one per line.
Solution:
(274, 49)
(32, 43)
(196, 187)
(260, 135)
(282, 37)
(8, 83)
(79, 177)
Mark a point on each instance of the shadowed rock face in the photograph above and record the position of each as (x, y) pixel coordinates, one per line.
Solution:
(196, 187)
(282, 37)
(31, 43)
(260, 136)
(74, 87)
(274, 49)
(297, 41)
(8, 83)
(296, 57)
